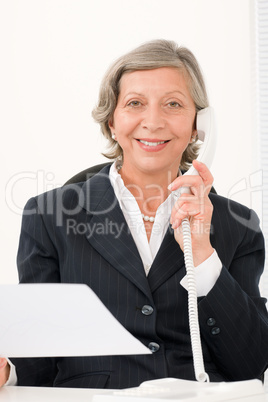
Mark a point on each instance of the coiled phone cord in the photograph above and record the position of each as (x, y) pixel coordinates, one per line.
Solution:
(198, 361)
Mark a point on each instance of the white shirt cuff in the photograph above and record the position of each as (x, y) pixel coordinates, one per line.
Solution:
(12, 380)
(206, 275)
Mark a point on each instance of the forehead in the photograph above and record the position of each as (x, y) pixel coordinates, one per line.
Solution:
(166, 78)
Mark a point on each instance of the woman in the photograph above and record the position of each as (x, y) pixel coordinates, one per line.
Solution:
(147, 110)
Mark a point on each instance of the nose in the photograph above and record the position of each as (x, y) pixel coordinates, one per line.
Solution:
(153, 119)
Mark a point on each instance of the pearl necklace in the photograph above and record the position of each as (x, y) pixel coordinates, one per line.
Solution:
(147, 218)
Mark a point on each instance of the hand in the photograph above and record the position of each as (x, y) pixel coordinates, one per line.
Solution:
(198, 208)
(4, 371)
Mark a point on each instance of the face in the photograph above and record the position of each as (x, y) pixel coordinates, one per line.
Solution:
(154, 120)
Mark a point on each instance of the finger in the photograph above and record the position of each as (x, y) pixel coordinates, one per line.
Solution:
(187, 210)
(190, 213)
(196, 198)
(204, 173)
(203, 180)
(185, 181)
(194, 183)
(184, 199)
(191, 207)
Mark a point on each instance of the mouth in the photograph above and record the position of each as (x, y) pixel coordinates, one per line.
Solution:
(152, 143)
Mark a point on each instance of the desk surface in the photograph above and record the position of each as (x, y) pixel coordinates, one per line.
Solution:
(33, 394)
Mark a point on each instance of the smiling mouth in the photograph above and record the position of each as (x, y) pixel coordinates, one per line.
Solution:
(153, 144)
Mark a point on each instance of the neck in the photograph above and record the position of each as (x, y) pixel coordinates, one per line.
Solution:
(149, 189)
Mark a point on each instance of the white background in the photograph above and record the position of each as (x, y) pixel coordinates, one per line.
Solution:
(53, 56)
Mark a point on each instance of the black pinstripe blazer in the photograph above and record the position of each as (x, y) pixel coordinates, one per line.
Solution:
(78, 234)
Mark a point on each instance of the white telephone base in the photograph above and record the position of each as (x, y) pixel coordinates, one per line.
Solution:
(172, 389)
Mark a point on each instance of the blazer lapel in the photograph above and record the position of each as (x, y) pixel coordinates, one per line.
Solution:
(108, 231)
(168, 261)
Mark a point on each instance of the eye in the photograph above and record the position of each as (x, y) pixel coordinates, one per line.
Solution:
(174, 104)
(134, 103)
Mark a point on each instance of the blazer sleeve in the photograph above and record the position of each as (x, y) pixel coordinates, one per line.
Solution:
(233, 317)
(37, 262)
(37, 258)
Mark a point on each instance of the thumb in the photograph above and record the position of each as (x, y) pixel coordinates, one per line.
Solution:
(3, 362)
(4, 371)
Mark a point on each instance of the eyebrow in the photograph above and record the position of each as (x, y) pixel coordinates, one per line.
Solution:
(176, 91)
(133, 93)
(166, 93)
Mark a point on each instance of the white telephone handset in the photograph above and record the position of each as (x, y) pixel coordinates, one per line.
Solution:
(205, 125)
(206, 130)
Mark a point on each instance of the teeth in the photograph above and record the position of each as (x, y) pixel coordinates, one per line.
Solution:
(152, 144)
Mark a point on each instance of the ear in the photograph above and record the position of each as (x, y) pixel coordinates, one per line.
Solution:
(111, 124)
(193, 136)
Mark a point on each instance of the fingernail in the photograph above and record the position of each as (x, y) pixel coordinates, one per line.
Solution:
(175, 224)
(170, 187)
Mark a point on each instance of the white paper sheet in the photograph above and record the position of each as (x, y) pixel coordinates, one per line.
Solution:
(39, 320)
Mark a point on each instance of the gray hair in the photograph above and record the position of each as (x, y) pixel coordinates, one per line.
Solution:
(151, 55)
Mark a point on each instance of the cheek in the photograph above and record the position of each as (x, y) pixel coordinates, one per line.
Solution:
(125, 124)
(183, 129)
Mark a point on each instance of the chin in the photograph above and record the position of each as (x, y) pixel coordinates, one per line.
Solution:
(154, 167)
